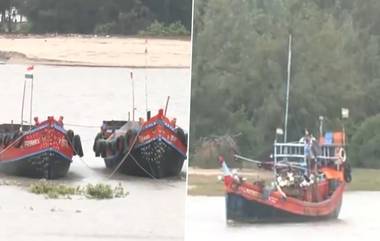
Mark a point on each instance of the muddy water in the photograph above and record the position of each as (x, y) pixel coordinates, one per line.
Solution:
(153, 210)
(359, 219)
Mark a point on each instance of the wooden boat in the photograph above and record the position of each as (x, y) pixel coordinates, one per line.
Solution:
(153, 148)
(44, 150)
(308, 184)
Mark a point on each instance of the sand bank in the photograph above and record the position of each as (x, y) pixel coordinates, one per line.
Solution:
(95, 51)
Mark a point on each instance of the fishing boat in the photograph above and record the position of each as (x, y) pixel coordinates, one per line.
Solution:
(308, 184)
(154, 148)
(40, 150)
(309, 178)
(44, 150)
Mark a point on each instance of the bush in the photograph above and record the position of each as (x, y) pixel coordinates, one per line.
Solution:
(107, 28)
(364, 148)
(97, 191)
(207, 151)
(52, 190)
(160, 29)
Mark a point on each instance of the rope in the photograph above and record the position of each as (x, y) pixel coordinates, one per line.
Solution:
(142, 168)
(11, 145)
(78, 125)
(126, 155)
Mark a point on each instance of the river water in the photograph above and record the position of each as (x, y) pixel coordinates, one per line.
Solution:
(359, 219)
(85, 96)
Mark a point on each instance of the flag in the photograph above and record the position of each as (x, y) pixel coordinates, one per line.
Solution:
(29, 75)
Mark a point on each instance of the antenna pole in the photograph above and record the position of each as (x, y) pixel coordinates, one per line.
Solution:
(287, 89)
(22, 105)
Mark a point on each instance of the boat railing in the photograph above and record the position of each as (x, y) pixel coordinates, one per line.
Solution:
(299, 152)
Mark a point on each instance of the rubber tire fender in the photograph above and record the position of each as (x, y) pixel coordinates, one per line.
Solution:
(181, 135)
(347, 172)
(103, 149)
(6, 140)
(95, 147)
(70, 136)
(130, 137)
(78, 145)
(120, 144)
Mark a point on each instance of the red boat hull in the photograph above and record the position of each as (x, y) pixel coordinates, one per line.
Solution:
(156, 149)
(43, 152)
(247, 203)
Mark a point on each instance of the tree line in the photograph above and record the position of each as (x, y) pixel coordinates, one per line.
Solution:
(97, 16)
(239, 73)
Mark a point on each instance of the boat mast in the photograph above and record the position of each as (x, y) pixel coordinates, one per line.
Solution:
(167, 104)
(146, 76)
(22, 105)
(28, 75)
(133, 97)
(31, 104)
(287, 89)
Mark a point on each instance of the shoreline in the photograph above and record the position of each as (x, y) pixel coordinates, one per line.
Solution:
(95, 51)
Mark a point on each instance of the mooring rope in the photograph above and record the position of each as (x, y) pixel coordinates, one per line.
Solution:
(126, 155)
(83, 126)
(11, 145)
(142, 168)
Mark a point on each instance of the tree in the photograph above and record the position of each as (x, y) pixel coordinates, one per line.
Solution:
(240, 60)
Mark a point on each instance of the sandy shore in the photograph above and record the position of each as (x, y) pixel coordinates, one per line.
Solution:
(95, 51)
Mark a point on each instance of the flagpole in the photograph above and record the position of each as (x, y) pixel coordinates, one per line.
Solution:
(133, 97)
(22, 105)
(31, 104)
(146, 86)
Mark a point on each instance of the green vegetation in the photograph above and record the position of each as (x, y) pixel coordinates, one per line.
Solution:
(365, 180)
(209, 185)
(202, 185)
(160, 29)
(53, 190)
(366, 143)
(240, 65)
(97, 191)
(93, 16)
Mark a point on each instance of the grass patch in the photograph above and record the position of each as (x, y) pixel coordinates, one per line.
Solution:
(97, 191)
(52, 190)
(205, 185)
(209, 185)
(365, 180)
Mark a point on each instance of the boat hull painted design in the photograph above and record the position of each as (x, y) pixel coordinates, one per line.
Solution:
(238, 208)
(156, 149)
(43, 152)
(156, 159)
(251, 202)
